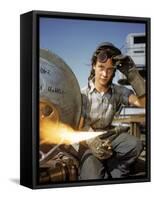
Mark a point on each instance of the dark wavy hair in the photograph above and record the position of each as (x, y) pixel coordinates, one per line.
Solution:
(107, 49)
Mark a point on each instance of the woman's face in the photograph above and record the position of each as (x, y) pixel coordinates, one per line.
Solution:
(103, 72)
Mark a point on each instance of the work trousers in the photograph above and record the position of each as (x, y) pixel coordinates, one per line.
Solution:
(126, 149)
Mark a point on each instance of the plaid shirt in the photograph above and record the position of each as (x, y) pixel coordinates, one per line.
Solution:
(99, 109)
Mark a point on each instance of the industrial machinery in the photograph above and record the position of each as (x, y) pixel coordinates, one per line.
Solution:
(59, 87)
(60, 102)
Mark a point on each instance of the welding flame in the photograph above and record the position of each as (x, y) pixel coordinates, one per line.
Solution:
(56, 133)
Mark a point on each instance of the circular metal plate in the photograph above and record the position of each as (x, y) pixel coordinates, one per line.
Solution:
(59, 86)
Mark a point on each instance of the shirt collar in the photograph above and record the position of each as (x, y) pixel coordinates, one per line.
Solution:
(93, 88)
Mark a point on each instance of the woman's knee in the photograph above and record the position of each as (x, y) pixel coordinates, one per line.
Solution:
(128, 144)
(91, 168)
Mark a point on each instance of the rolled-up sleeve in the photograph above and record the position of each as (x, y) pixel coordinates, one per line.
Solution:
(124, 95)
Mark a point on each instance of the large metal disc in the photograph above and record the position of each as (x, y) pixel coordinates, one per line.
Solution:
(60, 88)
